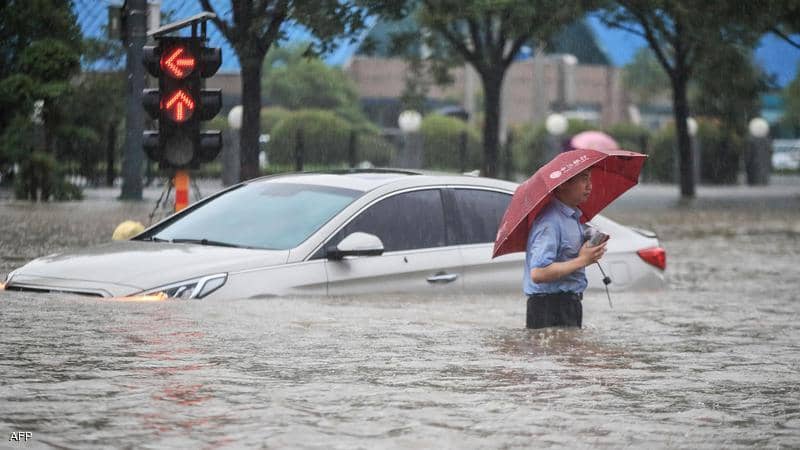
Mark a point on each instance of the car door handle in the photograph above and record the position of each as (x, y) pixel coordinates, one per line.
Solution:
(442, 277)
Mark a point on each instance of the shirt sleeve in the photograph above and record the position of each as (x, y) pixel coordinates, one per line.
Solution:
(542, 245)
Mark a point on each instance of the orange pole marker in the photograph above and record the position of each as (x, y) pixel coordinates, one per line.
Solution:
(181, 182)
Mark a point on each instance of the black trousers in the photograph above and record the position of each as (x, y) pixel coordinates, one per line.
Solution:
(563, 309)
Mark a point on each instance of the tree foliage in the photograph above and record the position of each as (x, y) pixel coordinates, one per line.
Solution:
(294, 81)
(40, 46)
(791, 98)
(644, 78)
(253, 26)
(728, 87)
(488, 36)
(681, 33)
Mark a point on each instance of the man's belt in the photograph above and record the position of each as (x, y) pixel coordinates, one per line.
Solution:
(558, 295)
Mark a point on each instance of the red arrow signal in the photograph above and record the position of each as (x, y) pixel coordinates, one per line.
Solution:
(178, 62)
(179, 105)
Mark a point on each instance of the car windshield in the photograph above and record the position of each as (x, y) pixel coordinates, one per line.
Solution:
(276, 216)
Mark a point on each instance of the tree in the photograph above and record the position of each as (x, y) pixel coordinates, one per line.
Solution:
(780, 17)
(488, 36)
(727, 87)
(644, 78)
(24, 55)
(297, 81)
(252, 26)
(681, 33)
(791, 95)
(40, 45)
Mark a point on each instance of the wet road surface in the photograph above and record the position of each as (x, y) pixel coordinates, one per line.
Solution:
(711, 362)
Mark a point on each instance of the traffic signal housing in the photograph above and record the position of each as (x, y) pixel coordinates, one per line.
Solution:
(180, 104)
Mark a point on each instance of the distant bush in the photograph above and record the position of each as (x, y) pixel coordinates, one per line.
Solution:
(271, 116)
(326, 140)
(720, 152)
(375, 149)
(529, 148)
(41, 178)
(661, 164)
(442, 143)
(630, 137)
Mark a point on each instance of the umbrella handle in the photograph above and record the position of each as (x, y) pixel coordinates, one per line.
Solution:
(606, 282)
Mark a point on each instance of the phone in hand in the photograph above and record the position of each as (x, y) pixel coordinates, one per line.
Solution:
(598, 238)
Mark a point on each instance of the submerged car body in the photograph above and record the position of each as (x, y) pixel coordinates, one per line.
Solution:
(355, 232)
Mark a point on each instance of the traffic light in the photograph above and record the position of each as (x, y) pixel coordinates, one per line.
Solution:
(180, 103)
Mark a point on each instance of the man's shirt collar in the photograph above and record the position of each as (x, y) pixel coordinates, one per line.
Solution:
(566, 209)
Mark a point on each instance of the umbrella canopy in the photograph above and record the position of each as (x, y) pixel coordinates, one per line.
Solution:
(593, 139)
(612, 173)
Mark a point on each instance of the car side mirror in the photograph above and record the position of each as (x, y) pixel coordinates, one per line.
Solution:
(355, 244)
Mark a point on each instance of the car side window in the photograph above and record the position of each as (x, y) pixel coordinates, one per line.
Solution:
(407, 221)
(479, 213)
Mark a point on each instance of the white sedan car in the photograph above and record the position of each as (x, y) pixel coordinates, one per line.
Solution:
(354, 232)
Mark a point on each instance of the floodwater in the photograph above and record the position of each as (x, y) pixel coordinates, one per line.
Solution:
(711, 362)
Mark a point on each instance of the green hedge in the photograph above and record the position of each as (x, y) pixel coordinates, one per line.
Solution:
(271, 116)
(630, 137)
(529, 146)
(375, 149)
(41, 178)
(720, 153)
(442, 143)
(661, 164)
(326, 140)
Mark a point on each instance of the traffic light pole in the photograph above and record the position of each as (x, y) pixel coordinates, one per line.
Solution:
(133, 156)
(181, 182)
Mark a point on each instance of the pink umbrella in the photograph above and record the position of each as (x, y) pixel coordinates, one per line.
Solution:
(594, 140)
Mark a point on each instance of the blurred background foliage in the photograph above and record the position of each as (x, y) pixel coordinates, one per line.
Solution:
(59, 123)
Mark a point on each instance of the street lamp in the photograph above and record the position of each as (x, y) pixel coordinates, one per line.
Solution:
(691, 125)
(757, 158)
(410, 122)
(758, 127)
(231, 165)
(556, 125)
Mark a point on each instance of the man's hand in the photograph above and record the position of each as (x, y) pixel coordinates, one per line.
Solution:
(590, 255)
(557, 270)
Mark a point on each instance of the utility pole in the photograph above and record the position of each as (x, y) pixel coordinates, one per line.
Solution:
(135, 13)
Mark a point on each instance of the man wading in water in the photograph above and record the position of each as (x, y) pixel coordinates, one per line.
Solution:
(556, 257)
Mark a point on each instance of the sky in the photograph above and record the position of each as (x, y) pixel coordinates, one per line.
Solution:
(775, 55)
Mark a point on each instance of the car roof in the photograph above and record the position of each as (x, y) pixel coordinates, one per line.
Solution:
(369, 179)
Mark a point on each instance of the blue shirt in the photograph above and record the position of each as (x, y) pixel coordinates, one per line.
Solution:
(556, 236)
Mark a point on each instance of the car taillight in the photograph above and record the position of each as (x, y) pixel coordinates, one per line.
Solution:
(655, 256)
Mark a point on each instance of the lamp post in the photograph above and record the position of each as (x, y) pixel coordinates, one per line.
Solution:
(230, 154)
(410, 122)
(556, 125)
(566, 83)
(692, 126)
(757, 157)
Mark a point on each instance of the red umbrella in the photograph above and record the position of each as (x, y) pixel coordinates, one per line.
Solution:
(613, 172)
(593, 139)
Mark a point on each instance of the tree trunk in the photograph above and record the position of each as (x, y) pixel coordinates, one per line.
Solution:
(680, 107)
(251, 113)
(492, 87)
